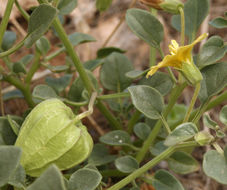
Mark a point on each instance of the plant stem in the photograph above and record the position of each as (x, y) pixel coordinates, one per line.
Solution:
(193, 100)
(54, 54)
(13, 49)
(109, 116)
(1, 100)
(5, 19)
(118, 26)
(113, 96)
(25, 89)
(181, 10)
(165, 154)
(22, 11)
(176, 92)
(35, 66)
(218, 148)
(70, 49)
(135, 117)
(153, 51)
(165, 124)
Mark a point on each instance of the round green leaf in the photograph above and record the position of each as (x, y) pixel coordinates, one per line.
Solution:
(142, 130)
(43, 45)
(219, 22)
(164, 180)
(104, 52)
(51, 178)
(39, 22)
(135, 74)
(80, 38)
(214, 80)
(9, 161)
(43, 92)
(160, 81)
(59, 84)
(8, 40)
(126, 164)
(147, 100)
(215, 166)
(145, 26)
(182, 163)
(67, 6)
(100, 155)
(112, 74)
(158, 148)
(85, 179)
(208, 122)
(223, 115)
(181, 133)
(116, 138)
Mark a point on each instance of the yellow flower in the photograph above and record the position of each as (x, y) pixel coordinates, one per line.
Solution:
(181, 59)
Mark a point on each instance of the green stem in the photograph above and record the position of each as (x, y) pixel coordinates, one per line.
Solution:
(22, 11)
(200, 111)
(176, 92)
(70, 49)
(113, 96)
(5, 19)
(109, 116)
(165, 154)
(218, 100)
(1, 100)
(34, 67)
(153, 51)
(218, 148)
(13, 49)
(193, 100)
(25, 89)
(181, 10)
(168, 68)
(135, 117)
(165, 124)
(54, 54)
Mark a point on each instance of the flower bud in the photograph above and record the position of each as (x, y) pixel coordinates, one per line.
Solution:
(171, 6)
(203, 138)
(49, 135)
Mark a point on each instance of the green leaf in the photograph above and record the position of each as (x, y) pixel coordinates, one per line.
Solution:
(195, 12)
(160, 81)
(182, 133)
(59, 84)
(39, 22)
(93, 64)
(104, 52)
(112, 74)
(116, 138)
(51, 178)
(17, 179)
(43, 45)
(14, 125)
(126, 164)
(43, 92)
(67, 6)
(182, 163)
(58, 68)
(215, 166)
(135, 74)
(7, 136)
(176, 114)
(164, 180)
(77, 88)
(13, 94)
(85, 179)
(225, 152)
(142, 130)
(219, 22)
(8, 40)
(103, 5)
(80, 38)
(158, 148)
(9, 162)
(26, 59)
(214, 80)
(19, 67)
(208, 122)
(147, 100)
(212, 51)
(223, 115)
(145, 26)
(100, 155)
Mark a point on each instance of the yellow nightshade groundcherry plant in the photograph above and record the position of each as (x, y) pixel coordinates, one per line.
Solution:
(141, 116)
